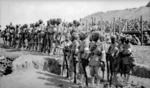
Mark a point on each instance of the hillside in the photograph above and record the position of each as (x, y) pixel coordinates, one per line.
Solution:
(126, 13)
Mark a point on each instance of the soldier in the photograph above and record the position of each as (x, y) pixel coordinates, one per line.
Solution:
(36, 36)
(53, 40)
(0, 28)
(66, 51)
(111, 59)
(73, 55)
(136, 40)
(83, 57)
(146, 38)
(95, 60)
(38, 39)
(104, 50)
(31, 39)
(127, 59)
(58, 41)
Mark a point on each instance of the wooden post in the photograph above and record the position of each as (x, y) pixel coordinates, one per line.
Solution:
(95, 21)
(141, 27)
(114, 26)
(86, 26)
(92, 21)
(101, 23)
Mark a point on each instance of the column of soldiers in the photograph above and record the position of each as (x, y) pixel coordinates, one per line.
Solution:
(34, 37)
(82, 50)
(111, 54)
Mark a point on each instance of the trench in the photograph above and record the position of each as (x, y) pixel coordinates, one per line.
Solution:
(30, 62)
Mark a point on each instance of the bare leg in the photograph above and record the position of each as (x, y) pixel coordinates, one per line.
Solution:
(93, 82)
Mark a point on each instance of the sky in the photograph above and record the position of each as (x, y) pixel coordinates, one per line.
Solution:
(30, 11)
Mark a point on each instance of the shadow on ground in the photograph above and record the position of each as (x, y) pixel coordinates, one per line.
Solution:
(13, 50)
(57, 81)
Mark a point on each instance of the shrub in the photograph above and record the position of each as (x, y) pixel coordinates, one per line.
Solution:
(54, 66)
(148, 4)
(141, 72)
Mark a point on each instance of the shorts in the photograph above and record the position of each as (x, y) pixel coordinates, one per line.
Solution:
(94, 71)
(126, 68)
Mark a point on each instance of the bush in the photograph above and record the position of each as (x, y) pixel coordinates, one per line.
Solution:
(148, 4)
(54, 66)
(141, 72)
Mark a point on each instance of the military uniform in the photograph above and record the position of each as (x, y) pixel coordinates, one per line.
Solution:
(73, 54)
(84, 51)
(112, 53)
(127, 57)
(66, 52)
(95, 61)
(96, 54)
(74, 50)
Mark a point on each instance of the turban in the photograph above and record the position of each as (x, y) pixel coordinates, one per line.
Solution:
(75, 35)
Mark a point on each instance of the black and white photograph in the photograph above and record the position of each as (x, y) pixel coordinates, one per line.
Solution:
(74, 43)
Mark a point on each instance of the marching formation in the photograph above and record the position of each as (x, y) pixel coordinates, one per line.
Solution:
(102, 52)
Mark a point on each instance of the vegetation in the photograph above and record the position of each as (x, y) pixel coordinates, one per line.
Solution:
(148, 4)
(54, 66)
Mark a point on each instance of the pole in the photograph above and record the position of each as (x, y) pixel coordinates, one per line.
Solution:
(141, 27)
(95, 21)
(101, 23)
(114, 26)
(86, 26)
(92, 21)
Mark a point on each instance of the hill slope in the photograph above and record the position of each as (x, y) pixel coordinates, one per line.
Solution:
(127, 14)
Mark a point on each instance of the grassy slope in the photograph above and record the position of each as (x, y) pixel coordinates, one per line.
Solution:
(142, 54)
(127, 14)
